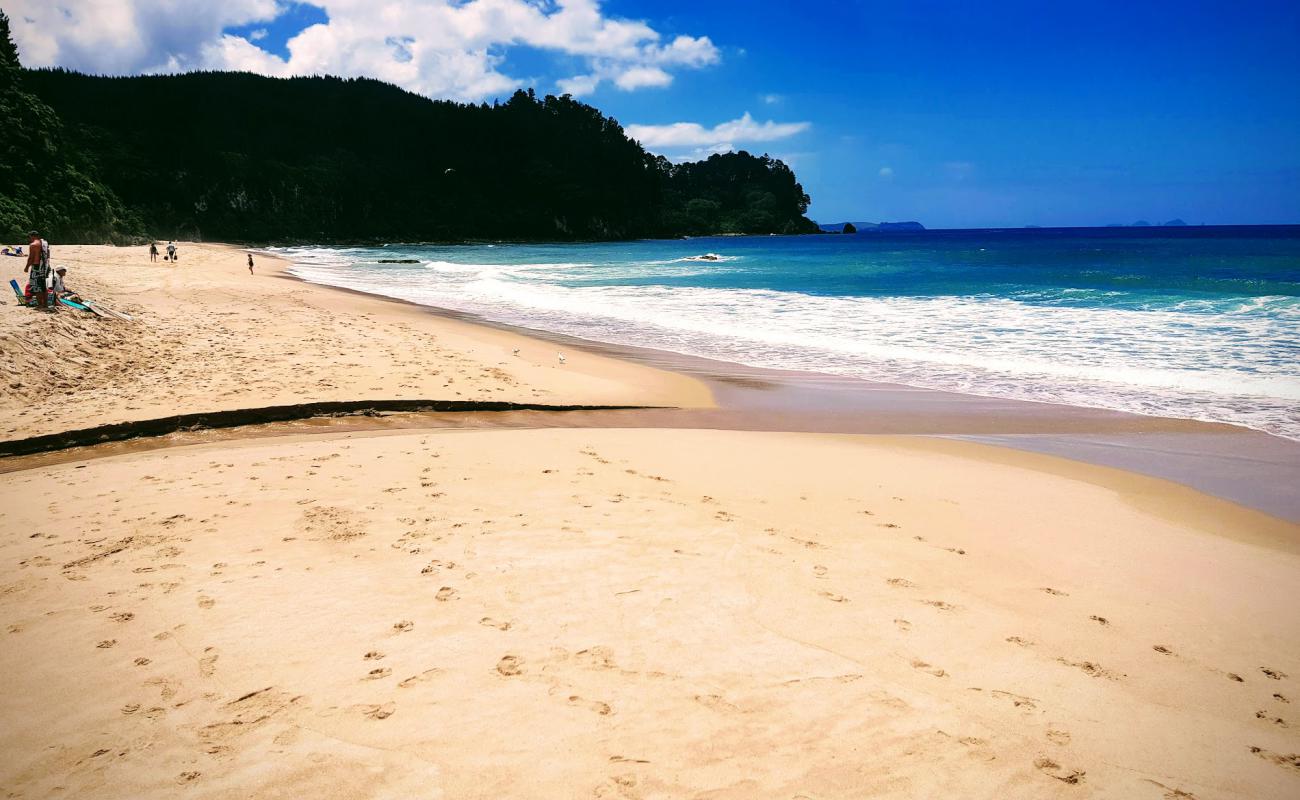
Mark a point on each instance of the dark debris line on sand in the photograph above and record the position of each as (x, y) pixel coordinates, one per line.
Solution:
(162, 426)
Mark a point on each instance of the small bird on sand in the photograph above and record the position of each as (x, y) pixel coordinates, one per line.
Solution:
(514, 352)
(562, 358)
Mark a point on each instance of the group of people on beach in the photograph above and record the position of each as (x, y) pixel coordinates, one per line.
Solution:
(46, 285)
(173, 255)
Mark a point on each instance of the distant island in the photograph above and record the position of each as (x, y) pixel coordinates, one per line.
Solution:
(870, 227)
(1173, 223)
(244, 158)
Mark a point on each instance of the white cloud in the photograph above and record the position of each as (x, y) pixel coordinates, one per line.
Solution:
(886, 172)
(578, 85)
(441, 48)
(771, 99)
(693, 134)
(638, 77)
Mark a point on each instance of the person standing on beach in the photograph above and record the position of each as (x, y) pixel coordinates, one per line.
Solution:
(153, 251)
(171, 251)
(38, 269)
(250, 263)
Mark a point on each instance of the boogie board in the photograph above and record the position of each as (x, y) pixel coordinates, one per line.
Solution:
(22, 298)
(74, 304)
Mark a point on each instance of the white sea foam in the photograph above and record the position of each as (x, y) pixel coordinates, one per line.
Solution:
(1229, 360)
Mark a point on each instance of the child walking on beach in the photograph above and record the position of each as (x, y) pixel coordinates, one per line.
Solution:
(250, 263)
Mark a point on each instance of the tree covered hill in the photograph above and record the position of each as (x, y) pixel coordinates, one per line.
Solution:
(240, 157)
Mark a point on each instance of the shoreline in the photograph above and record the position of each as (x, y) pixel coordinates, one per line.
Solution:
(1217, 458)
(1247, 466)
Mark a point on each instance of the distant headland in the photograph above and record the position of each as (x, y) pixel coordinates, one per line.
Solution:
(870, 227)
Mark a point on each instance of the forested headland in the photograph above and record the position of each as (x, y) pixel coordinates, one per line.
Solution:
(246, 158)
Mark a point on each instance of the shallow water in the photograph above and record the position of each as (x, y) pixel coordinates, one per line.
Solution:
(1195, 323)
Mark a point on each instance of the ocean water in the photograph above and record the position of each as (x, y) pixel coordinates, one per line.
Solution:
(1200, 323)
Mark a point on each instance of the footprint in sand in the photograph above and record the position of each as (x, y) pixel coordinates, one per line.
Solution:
(819, 571)
(1018, 700)
(902, 583)
(406, 683)
(1055, 592)
(1054, 770)
(142, 662)
(1163, 650)
(123, 616)
(1280, 698)
(1287, 761)
(940, 604)
(1170, 792)
(373, 655)
(903, 625)
(208, 663)
(594, 705)
(492, 623)
(377, 673)
(206, 602)
(1276, 675)
(1091, 668)
(510, 666)
(187, 777)
(383, 711)
(834, 598)
(1099, 620)
(332, 524)
(403, 626)
(445, 593)
(107, 643)
(926, 668)
(1058, 737)
(1020, 640)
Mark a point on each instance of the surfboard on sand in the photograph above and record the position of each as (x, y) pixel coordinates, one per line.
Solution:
(97, 310)
(104, 311)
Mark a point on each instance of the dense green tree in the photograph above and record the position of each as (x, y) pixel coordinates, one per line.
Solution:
(243, 157)
(44, 181)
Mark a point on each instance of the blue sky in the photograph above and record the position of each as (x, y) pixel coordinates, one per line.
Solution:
(957, 114)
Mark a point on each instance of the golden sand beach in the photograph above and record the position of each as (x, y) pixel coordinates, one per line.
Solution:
(583, 612)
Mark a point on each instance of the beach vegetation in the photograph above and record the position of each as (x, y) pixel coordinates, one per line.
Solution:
(239, 157)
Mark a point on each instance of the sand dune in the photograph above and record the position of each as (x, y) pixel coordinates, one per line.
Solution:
(639, 614)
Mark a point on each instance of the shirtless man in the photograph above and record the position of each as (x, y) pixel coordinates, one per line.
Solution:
(38, 269)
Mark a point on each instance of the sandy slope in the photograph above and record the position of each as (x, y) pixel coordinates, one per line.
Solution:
(211, 337)
(639, 614)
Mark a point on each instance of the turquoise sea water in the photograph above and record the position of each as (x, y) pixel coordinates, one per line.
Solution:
(1202, 323)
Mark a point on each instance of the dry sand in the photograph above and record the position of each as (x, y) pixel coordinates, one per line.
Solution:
(573, 613)
(593, 613)
(210, 337)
